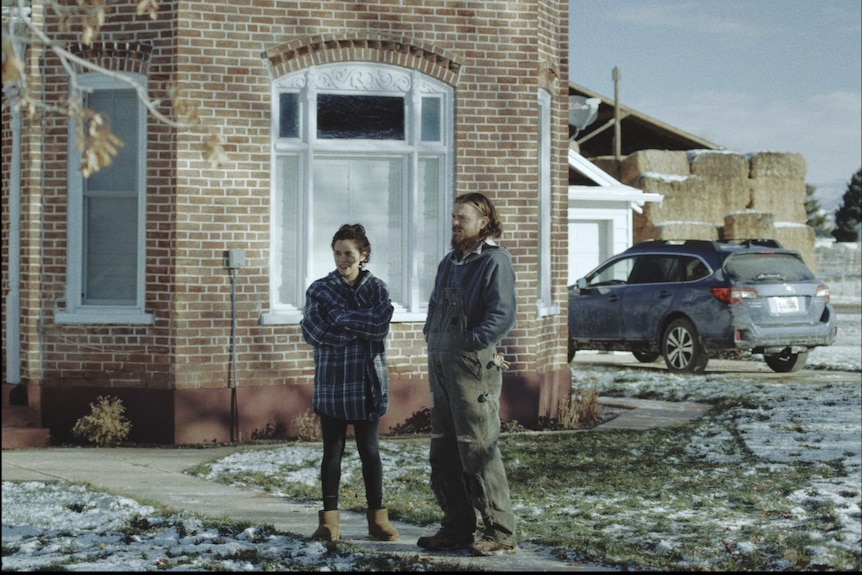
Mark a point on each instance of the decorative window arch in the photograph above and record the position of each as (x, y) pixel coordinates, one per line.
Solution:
(360, 142)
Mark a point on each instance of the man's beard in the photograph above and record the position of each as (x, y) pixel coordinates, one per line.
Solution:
(463, 243)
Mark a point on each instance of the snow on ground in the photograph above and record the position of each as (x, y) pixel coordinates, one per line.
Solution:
(810, 421)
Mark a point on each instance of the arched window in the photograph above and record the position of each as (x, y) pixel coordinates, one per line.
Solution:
(360, 143)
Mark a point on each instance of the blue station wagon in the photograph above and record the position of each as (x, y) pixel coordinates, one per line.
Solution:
(691, 300)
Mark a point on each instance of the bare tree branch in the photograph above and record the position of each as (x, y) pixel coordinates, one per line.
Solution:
(98, 145)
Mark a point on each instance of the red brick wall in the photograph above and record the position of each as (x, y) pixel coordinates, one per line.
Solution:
(107, 355)
(496, 55)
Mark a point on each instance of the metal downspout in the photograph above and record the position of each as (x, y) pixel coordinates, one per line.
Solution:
(13, 297)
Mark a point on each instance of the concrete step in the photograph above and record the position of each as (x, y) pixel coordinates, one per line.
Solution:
(20, 416)
(14, 394)
(21, 424)
(25, 437)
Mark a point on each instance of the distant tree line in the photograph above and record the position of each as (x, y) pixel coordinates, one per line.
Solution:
(848, 216)
(844, 226)
(816, 216)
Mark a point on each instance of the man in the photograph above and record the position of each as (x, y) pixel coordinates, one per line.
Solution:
(472, 307)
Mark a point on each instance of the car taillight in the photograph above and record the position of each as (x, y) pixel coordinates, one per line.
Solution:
(823, 291)
(734, 295)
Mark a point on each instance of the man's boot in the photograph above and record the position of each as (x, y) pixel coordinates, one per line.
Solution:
(328, 528)
(379, 526)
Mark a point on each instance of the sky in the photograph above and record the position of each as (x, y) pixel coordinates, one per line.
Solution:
(748, 75)
(50, 524)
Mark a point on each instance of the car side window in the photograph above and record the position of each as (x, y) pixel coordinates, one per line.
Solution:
(693, 269)
(655, 268)
(616, 273)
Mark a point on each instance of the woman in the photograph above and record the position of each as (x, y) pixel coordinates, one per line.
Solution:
(346, 319)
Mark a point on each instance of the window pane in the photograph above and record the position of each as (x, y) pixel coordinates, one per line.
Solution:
(544, 283)
(365, 117)
(430, 119)
(110, 208)
(694, 269)
(110, 250)
(613, 274)
(121, 109)
(366, 191)
(427, 226)
(288, 116)
(653, 269)
(767, 267)
(287, 231)
(353, 137)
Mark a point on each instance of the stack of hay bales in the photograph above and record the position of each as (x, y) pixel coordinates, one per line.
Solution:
(778, 187)
(710, 195)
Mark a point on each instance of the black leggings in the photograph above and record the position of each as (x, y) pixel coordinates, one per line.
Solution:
(334, 439)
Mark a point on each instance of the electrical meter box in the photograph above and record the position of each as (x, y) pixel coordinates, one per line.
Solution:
(235, 258)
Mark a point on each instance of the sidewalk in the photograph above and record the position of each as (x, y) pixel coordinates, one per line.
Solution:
(154, 475)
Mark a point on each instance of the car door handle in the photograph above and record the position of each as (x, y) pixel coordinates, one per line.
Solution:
(613, 297)
(664, 293)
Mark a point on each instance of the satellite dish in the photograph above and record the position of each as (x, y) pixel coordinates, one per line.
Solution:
(583, 111)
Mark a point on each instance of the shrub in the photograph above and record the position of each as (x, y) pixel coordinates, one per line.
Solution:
(512, 426)
(307, 426)
(418, 423)
(270, 431)
(105, 425)
(589, 410)
(578, 410)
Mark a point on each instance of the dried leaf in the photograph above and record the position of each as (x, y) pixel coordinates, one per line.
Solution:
(13, 67)
(183, 107)
(87, 35)
(98, 145)
(150, 6)
(214, 150)
(92, 23)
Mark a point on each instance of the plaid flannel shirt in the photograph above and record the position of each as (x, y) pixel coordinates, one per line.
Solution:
(348, 327)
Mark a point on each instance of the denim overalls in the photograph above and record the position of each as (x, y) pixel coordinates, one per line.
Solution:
(465, 398)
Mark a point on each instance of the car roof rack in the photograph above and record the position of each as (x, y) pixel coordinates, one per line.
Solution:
(759, 242)
(709, 245)
(694, 244)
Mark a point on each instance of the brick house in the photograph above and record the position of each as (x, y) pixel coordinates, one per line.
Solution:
(176, 285)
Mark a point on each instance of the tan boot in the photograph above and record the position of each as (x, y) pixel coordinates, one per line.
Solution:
(328, 528)
(379, 526)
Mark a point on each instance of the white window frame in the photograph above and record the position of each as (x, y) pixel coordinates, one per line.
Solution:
(73, 310)
(545, 303)
(361, 78)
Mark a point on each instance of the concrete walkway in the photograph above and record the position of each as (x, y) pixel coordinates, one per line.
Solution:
(153, 475)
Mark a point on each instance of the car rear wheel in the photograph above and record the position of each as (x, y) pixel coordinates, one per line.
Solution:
(786, 362)
(681, 348)
(646, 356)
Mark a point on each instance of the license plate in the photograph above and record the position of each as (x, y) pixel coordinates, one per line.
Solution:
(786, 304)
